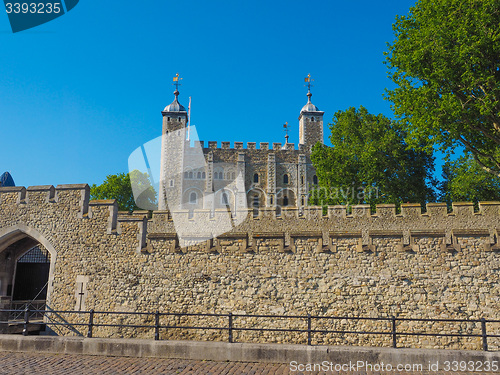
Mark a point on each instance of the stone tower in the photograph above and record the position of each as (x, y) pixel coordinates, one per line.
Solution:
(175, 116)
(310, 124)
(175, 119)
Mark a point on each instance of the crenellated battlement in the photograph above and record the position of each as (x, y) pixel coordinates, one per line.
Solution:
(249, 146)
(68, 206)
(73, 200)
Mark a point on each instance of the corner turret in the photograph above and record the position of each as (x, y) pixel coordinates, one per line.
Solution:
(310, 121)
(175, 116)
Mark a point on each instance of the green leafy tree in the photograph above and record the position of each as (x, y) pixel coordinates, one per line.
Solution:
(445, 62)
(119, 187)
(465, 180)
(370, 163)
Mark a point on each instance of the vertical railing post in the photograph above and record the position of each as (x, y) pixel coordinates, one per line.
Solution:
(309, 333)
(230, 316)
(91, 324)
(157, 325)
(394, 334)
(26, 320)
(483, 333)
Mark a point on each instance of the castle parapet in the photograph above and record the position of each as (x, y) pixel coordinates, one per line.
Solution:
(137, 214)
(225, 145)
(361, 211)
(63, 201)
(489, 208)
(411, 209)
(311, 238)
(437, 210)
(313, 212)
(386, 210)
(40, 194)
(268, 241)
(462, 208)
(12, 195)
(105, 209)
(232, 242)
(337, 212)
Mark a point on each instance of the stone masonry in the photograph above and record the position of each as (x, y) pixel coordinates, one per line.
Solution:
(433, 264)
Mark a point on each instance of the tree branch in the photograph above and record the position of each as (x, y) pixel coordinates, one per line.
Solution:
(476, 153)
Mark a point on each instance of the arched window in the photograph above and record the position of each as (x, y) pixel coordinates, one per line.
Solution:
(256, 200)
(312, 118)
(271, 199)
(315, 180)
(186, 174)
(303, 201)
(256, 177)
(302, 180)
(190, 174)
(285, 201)
(193, 198)
(203, 175)
(233, 176)
(179, 119)
(199, 175)
(255, 205)
(285, 179)
(224, 199)
(221, 176)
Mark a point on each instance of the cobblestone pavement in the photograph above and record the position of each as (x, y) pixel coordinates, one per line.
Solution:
(61, 364)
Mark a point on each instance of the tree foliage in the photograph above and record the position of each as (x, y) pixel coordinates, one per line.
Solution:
(465, 180)
(119, 187)
(445, 62)
(370, 163)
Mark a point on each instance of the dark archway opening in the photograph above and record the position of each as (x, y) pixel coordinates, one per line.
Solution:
(32, 275)
(25, 271)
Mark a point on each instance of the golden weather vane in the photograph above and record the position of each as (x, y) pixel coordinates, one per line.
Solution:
(308, 79)
(177, 80)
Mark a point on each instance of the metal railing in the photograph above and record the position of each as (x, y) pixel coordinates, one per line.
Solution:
(37, 309)
(54, 318)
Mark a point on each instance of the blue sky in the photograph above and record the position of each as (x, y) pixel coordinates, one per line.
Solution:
(80, 93)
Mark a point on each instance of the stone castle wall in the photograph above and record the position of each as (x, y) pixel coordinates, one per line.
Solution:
(359, 264)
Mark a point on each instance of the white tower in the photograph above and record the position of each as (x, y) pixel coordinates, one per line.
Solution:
(175, 119)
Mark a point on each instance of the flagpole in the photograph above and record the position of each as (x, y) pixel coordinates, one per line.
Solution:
(189, 119)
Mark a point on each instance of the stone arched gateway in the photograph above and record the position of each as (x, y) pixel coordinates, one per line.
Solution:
(23, 279)
(72, 234)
